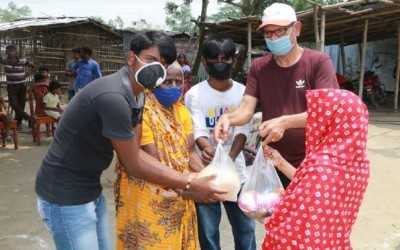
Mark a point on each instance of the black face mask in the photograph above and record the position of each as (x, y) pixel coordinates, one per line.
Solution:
(150, 75)
(219, 70)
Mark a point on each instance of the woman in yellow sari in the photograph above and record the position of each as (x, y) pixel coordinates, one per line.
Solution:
(150, 216)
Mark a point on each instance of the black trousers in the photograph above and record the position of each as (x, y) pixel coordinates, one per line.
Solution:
(17, 100)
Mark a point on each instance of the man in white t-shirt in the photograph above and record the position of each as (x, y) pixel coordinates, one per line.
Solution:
(207, 101)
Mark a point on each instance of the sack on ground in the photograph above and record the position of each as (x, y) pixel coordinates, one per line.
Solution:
(262, 190)
(227, 176)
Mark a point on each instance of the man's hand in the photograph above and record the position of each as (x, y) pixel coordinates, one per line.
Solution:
(221, 129)
(207, 154)
(201, 190)
(272, 130)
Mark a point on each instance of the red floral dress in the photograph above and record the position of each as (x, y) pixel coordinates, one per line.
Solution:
(324, 197)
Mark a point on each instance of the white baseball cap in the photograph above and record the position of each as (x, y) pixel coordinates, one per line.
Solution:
(278, 14)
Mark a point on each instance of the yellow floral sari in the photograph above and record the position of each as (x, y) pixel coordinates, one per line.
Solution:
(150, 216)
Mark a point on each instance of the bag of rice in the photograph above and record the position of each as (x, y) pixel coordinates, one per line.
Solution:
(227, 176)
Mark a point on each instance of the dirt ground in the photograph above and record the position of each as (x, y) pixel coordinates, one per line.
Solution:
(377, 226)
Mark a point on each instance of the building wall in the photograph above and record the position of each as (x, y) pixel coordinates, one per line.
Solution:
(51, 47)
(385, 50)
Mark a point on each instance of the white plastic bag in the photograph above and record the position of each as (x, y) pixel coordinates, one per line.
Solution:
(262, 190)
(227, 176)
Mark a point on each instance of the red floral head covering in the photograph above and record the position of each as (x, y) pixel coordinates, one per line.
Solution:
(337, 127)
(322, 201)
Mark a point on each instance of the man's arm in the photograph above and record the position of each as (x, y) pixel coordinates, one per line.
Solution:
(139, 164)
(97, 71)
(206, 148)
(200, 130)
(240, 116)
(237, 146)
(68, 70)
(32, 68)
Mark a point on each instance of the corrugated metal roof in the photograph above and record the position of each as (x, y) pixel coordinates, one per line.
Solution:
(35, 22)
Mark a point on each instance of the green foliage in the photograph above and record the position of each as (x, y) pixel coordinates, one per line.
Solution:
(305, 5)
(116, 23)
(225, 12)
(178, 17)
(13, 12)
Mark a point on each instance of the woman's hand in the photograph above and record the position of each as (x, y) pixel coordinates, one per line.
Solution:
(279, 162)
(273, 155)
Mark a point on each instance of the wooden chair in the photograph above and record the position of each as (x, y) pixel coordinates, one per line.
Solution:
(13, 128)
(36, 105)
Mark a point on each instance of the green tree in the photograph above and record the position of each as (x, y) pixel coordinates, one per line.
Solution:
(179, 16)
(116, 23)
(225, 12)
(13, 12)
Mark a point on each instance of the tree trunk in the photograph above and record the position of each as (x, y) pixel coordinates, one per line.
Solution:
(240, 61)
(200, 41)
(250, 8)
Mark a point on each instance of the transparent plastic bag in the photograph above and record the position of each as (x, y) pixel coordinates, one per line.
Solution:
(262, 190)
(227, 176)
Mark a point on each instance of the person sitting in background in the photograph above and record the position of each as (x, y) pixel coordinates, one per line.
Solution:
(186, 71)
(322, 201)
(52, 101)
(86, 69)
(4, 117)
(41, 78)
(45, 72)
(167, 135)
(70, 74)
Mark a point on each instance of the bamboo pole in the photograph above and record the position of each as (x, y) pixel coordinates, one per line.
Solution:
(343, 4)
(322, 39)
(342, 19)
(396, 84)
(316, 31)
(248, 45)
(389, 2)
(343, 55)
(363, 55)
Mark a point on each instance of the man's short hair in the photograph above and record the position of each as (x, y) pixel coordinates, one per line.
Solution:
(76, 50)
(38, 77)
(54, 85)
(142, 40)
(216, 45)
(43, 68)
(10, 47)
(87, 50)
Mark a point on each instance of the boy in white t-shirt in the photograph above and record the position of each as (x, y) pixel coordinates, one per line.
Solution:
(207, 101)
(52, 101)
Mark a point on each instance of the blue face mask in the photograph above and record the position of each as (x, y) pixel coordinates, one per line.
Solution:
(168, 96)
(280, 46)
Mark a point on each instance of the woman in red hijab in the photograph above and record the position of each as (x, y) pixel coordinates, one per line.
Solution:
(321, 203)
